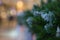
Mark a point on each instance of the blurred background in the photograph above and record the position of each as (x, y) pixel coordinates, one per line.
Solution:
(29, 19)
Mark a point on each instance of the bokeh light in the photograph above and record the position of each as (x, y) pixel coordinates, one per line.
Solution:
(19, 5)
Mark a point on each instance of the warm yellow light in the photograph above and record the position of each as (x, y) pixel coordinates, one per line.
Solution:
(19, 5)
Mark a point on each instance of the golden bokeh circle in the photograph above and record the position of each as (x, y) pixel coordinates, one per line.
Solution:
(19, 5)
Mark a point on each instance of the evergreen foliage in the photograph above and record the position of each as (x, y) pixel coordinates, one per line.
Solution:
(45, 30)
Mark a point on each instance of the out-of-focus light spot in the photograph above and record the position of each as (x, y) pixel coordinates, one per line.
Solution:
(19, 5)
(13, 34)
(3, 15)
(13, 12)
